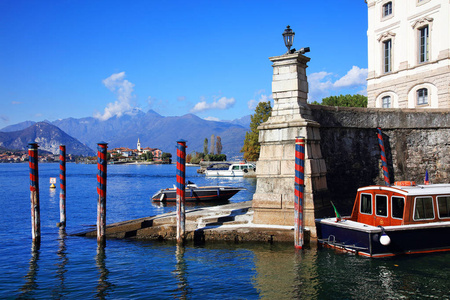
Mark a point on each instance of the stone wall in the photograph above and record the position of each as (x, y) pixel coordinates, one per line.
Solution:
(415, 140)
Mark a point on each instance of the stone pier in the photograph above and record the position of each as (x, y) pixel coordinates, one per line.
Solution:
(273, 201)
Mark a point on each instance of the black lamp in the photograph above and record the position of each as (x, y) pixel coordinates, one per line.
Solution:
(288, 37)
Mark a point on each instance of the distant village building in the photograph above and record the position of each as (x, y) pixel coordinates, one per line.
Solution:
(408, 53)
(128, 153)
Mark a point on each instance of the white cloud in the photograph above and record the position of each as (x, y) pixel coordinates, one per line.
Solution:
(261, 96)
(321, 84)
(222, 103)
(124, 90)
(354, 77)
(252, 104)
(212, 119)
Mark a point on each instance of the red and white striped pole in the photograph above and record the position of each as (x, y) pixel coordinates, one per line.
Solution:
(299, 191)
(34, 193)
(62, 185)
(383, 158)
(181, 184)
(101, 190)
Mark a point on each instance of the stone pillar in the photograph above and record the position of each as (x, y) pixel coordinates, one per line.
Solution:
(273, 201)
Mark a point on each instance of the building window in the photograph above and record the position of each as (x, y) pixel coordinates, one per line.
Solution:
(387, 51)
(387, 9)
(386, 102)
(422, 96)
(424, 47)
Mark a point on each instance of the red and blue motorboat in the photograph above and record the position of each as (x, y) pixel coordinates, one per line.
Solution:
(405, 218)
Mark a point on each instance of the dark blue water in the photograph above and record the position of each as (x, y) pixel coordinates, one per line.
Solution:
(70, 267)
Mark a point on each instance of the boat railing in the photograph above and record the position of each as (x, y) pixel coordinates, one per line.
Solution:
(331, 241)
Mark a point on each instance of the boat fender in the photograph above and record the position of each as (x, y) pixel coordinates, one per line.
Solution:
(385, 240)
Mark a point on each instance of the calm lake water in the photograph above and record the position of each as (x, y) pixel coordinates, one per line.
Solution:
(70, 267)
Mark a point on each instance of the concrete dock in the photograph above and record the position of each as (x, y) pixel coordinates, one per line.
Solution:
(230, 222)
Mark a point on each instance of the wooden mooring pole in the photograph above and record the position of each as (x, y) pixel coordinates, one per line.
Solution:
(34, 193)
(62, 185)
(101, 190)
(181, 184)
(299, 191)
(383, 158)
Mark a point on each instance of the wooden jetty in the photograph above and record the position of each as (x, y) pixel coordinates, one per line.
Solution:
(230, 222)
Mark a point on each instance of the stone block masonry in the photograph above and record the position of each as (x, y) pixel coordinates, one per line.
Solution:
(343, 154)
(273, 201)
(415, 140)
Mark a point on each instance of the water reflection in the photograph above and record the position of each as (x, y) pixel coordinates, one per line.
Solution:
(286, 273)
(52, 194)
(181, 274)
(103, 286)
(61, 265)
(306, 278)
(30, 279)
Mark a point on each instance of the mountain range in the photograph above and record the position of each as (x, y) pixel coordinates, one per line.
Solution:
(152, 129)
(48, 137)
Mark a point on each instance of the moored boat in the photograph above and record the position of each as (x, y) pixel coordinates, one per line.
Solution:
(199, 194)
(233, 170)
(391, 220)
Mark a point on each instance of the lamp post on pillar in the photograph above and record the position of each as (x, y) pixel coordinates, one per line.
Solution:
(290, 84)
(288, 37)
(291, 117)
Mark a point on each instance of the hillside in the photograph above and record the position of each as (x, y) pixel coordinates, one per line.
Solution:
(151, 128)
(155, 131)
(48, 136)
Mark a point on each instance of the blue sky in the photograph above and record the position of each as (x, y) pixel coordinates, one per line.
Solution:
(77, 58)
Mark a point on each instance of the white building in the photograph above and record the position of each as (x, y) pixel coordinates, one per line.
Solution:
(409, 53)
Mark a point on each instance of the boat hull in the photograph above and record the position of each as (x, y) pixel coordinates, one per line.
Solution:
(199, 194)
(234, 170)
(365, 239)
(224, 173)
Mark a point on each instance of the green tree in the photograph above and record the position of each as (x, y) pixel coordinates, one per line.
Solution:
(149, 155)
(205, 147)
(252, 146)
(344, 100)
(216, 157)
(212, 147)
(196, 157)
(166, 157)
(218, 145)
